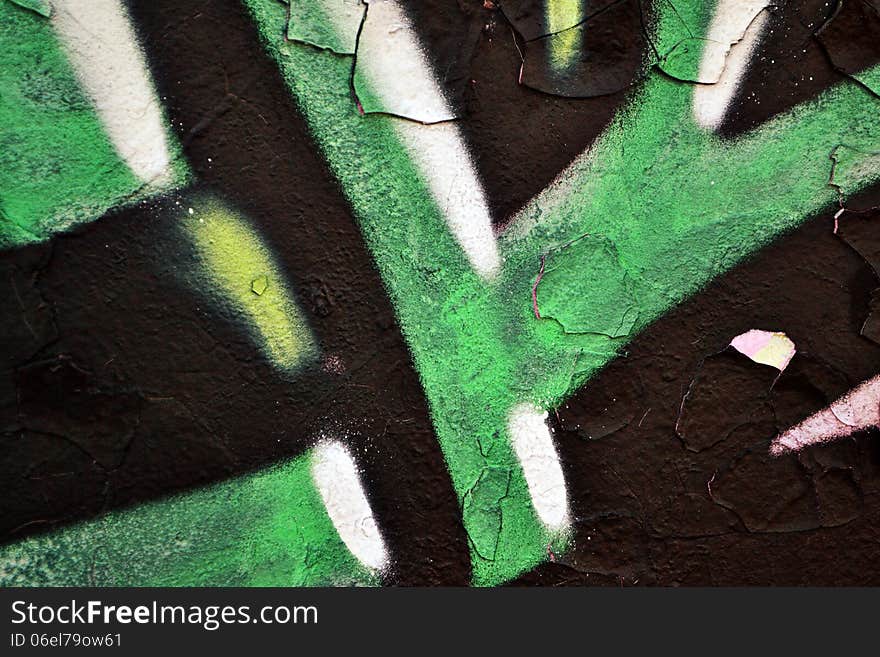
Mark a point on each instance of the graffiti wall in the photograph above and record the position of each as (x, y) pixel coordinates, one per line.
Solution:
(439, 292)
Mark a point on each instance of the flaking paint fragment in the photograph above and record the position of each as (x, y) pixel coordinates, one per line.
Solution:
(481, 510)
(329, 24)
(562, 290)
(851, 166)
(851, 38)
(259, 285)
(771, 348)
(703, 60)
(41, 7)
(392, 74)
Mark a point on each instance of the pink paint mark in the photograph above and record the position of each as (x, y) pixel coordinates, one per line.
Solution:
(333, 365)
(856, 410)
(836, 217)
(535, 288)
(766, 347)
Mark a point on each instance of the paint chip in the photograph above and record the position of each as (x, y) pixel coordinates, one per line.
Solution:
(559, 291)
(771, 348)
(852, 41)
(392, 74)
(259, 285)
(733, 36)
(41, 7)
(329, 24)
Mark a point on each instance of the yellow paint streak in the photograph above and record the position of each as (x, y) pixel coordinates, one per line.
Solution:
(566, 43)
(246, 277)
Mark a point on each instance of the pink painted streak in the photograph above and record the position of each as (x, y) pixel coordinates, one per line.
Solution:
(858, 409)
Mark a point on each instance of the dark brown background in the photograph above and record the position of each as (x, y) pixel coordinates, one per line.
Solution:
(119, 384)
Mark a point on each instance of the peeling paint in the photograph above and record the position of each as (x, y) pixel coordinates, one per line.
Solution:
(771, 348)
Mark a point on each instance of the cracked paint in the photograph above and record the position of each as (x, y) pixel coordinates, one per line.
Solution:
(549, 394)
(459, 362)
(326, 24)
(562, 296)
(772, 348)
(851, 37)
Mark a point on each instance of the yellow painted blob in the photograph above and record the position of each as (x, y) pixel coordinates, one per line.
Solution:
(245, 275)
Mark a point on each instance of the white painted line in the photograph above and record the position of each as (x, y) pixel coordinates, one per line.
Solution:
(736, 22)
(103, 49)
(336, 478)
(445, 164)
(536, 452)
(393, 63)
(391, 58)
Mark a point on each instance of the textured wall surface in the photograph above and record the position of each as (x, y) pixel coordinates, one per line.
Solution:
(439, 292)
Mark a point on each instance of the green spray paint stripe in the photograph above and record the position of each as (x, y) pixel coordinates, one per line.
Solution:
(57, 165)
(264, 529)
(457, 332)
(703, 204)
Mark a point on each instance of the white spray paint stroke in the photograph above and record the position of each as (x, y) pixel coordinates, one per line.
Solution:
(858, 409)
(536, 452)
(391, 60)
(336, 478)
(733, 35)
(102, 47)
(445, 164)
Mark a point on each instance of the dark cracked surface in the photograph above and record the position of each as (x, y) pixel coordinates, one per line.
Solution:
(119, 383)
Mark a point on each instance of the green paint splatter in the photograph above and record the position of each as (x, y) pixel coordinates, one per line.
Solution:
(57, 166)
(236, 260)
(266, 529)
